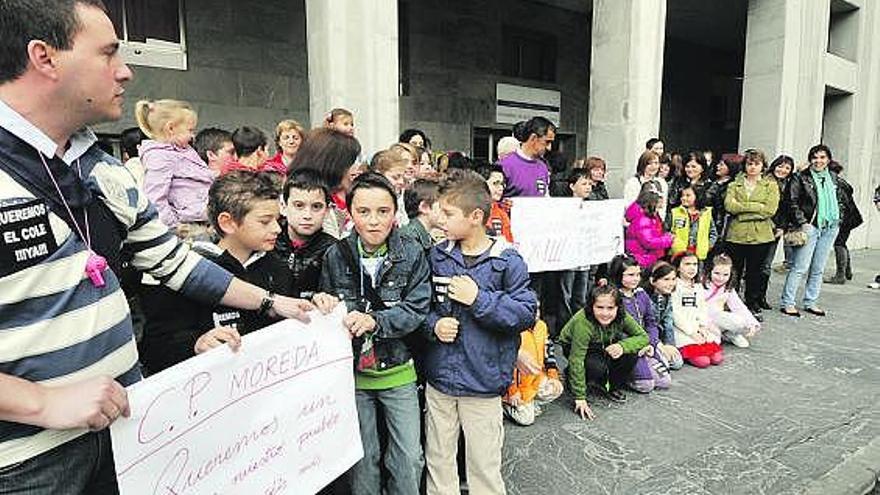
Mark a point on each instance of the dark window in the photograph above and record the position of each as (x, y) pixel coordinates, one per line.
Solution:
(137, 20)
(528, 54)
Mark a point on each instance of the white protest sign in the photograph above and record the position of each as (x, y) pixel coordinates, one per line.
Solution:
(554, 234)
(276, 417)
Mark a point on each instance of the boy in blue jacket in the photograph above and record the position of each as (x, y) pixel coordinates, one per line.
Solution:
(482, 302)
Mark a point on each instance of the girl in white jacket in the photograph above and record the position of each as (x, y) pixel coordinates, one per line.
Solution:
(696, 337)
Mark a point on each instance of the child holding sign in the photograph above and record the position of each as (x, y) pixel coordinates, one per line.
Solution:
(243, 208)
(482, 302)
(382, 278)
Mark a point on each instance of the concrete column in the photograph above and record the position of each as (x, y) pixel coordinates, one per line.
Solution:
(626, 79)
(353, 64)
(783, 82)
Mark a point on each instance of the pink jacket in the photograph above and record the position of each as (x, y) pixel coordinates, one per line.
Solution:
(645, 239)
(176, 181)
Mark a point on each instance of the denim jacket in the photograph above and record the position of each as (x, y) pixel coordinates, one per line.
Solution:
(403, 286)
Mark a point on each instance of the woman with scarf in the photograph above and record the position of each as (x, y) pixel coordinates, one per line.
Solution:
(814, 198)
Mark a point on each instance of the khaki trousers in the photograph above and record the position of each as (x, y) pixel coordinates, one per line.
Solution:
(482, 421)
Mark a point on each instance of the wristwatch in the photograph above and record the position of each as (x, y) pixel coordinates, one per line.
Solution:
(266, 303)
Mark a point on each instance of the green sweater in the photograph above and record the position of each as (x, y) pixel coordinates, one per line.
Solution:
(580, 332)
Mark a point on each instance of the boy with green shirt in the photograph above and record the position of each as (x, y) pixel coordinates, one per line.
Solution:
(383, 279)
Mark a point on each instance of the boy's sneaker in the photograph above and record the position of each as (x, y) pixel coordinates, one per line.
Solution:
(739, 341)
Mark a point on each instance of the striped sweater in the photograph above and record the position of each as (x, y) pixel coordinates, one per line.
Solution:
(56, 327)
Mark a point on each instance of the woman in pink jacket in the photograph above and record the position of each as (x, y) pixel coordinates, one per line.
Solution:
(645, 239)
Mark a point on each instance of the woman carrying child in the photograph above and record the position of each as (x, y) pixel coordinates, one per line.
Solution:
(176, 179)
(601, 342)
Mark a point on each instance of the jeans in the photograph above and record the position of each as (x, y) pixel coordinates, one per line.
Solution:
(809, 259)
(81, 466)
(403, 456)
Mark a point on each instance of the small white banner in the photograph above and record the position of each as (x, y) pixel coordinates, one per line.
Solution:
(554, 234)
(276, 417)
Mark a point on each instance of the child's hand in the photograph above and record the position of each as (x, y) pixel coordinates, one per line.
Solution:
(446, 329)
(324, 302)
(581, 407)
(515, 400)
(648, 350)
(526, 364)
(463, 289)
(359, 323)
(289, 307)
(217, 337)
(614, 350)
(670, 352)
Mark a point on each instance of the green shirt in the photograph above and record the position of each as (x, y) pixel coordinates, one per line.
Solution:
(580, 332)
(385, 379)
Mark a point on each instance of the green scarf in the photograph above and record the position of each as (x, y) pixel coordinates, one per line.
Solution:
(828, 212)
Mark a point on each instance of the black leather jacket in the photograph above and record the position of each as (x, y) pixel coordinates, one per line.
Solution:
(803, 201)
(304, 262)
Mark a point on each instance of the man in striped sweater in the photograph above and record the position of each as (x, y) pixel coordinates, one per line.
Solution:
(67, 211)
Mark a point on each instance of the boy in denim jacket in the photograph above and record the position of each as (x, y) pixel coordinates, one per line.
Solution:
(482, 302)
(383, 279)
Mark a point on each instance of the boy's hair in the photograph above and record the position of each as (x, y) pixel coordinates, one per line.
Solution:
(408, 134)
(288, 125)
(305, 179)
(247, 140)
(486, 170)
(605, 290)
(336, 113)
(151, 116)
(130, 139)
(467, 190)
(644, 159)
(210, 139)
(370, 180)
(236, 192)
(577, 174)
(386, 160)
(421, 190)
(720, 260)
(55, 22)
(331, 153)
(620, 264)
(649, 198)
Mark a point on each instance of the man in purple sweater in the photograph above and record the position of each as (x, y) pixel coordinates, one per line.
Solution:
(526, 172)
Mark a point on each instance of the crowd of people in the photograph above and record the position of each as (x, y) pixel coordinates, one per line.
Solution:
(210, 235)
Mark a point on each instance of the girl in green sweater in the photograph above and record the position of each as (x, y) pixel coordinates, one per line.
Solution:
(601, 343)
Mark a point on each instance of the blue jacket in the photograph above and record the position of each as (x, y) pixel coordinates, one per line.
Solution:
(480, 361)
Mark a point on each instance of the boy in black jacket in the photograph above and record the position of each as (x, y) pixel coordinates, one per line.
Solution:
(302, 242)
(243, 208)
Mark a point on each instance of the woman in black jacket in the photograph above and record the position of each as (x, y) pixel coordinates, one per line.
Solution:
(782, 170)
(850, 218)
(720, 176)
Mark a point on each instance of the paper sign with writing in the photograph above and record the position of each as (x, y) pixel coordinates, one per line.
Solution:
(276, 417)
(566, 233)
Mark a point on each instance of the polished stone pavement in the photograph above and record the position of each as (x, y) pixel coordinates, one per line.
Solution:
(798, 412)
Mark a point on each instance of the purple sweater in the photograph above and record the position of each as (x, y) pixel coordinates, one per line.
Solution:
(176, 181)
(640, 307)
(525, 177)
